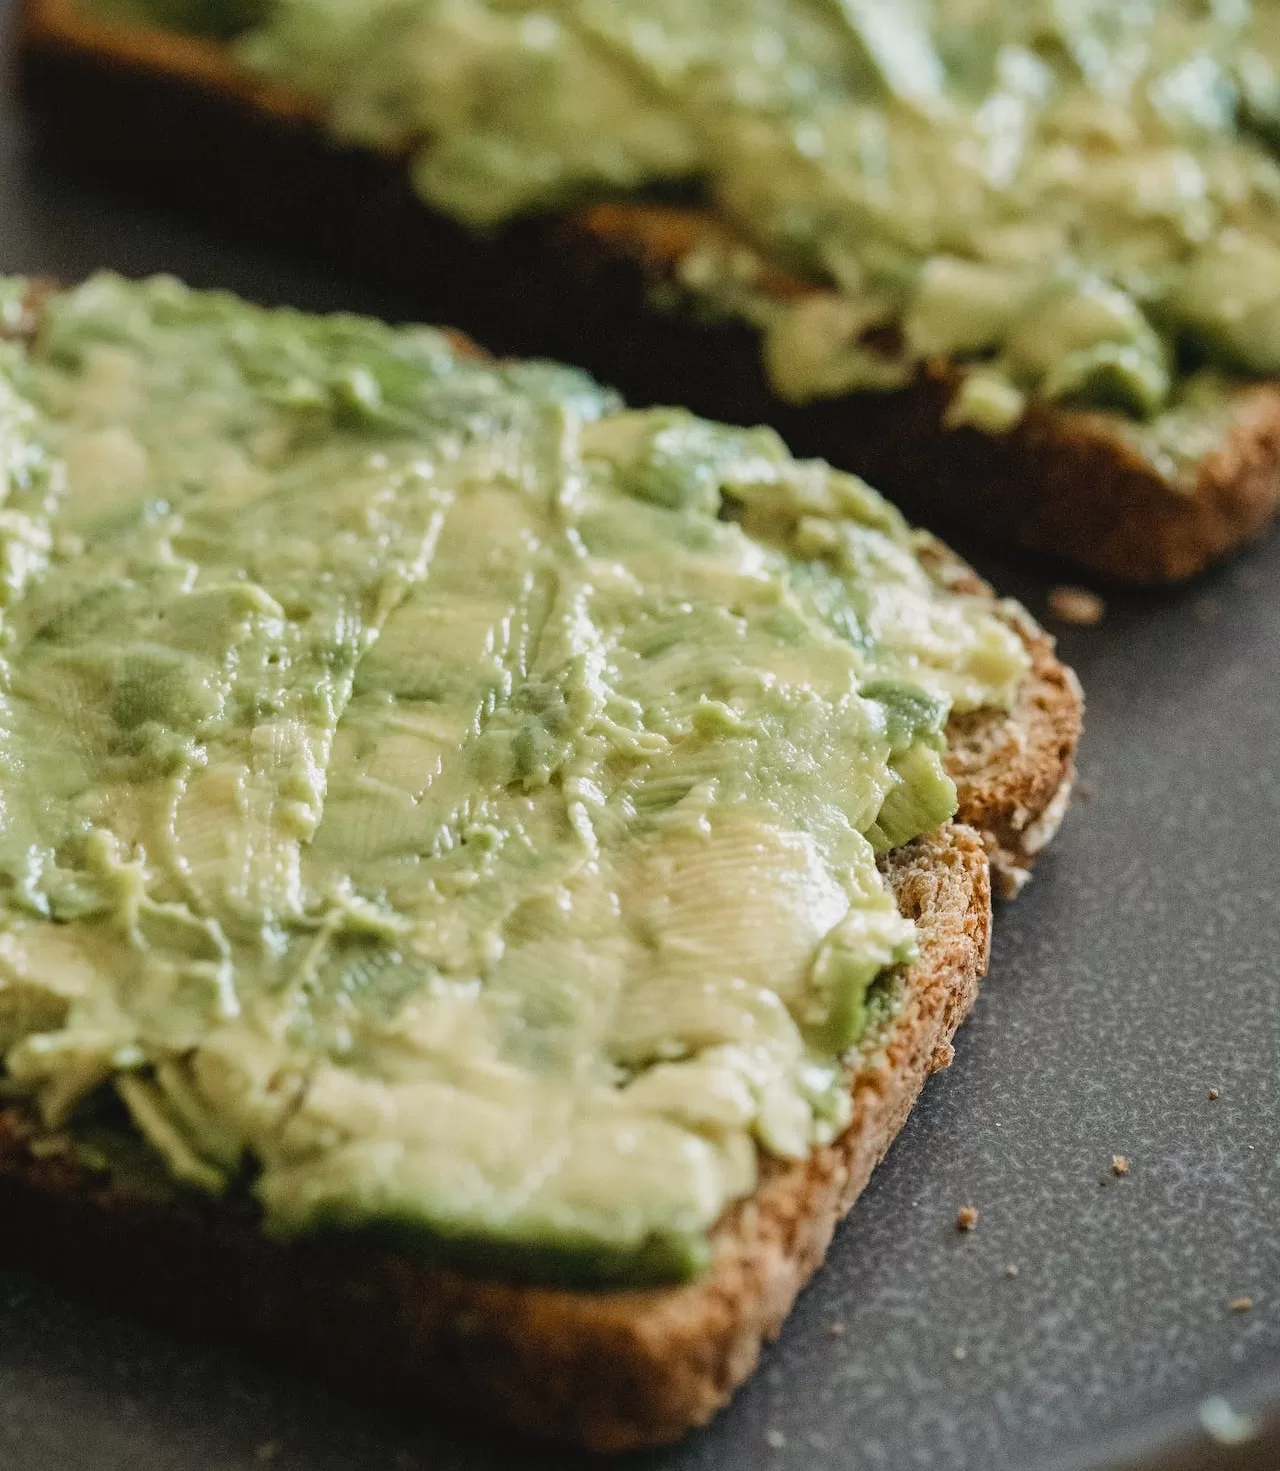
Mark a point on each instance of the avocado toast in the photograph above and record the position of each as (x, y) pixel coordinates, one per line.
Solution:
(993, 257)
(478, 891)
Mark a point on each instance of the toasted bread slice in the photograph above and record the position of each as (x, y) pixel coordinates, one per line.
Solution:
(175, 116)
(609, 1369)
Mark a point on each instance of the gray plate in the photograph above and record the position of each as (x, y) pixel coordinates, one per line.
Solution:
(1139, 970)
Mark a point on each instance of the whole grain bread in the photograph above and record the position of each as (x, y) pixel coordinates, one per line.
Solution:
(609, 1369)
(174, 118)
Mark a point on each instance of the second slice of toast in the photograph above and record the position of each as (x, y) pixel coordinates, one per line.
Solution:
(174, 117)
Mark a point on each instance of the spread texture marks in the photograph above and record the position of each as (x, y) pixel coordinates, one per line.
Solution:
(438, 798)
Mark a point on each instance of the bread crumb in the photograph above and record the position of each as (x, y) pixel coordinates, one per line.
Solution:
(942, 1057)
(1119, 1165)
(1241, 1304)
(966, 1218)
(836, 1330)
(1011, 1270)
(1213, 1094)
(775, 1439)
(1225, 1424)
(958, 1353)
(1076, 605)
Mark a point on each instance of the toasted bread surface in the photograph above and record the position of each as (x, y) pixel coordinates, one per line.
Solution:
(611, 1370)
(143, 106)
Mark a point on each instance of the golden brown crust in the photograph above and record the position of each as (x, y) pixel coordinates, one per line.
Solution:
(1070, 484)
(144, 103)
(1014, 773)
(608, 1369)
(1014, 770)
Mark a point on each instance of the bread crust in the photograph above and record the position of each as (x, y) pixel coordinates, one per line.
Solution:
(144, 106)
(1014, 770)
(611, 1370)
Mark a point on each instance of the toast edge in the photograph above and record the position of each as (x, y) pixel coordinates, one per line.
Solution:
(1014, 770)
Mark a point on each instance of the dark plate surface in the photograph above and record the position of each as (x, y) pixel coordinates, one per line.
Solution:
(1139, 970)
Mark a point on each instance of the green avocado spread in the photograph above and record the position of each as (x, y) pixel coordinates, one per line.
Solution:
(436, 798)
(1079, 197)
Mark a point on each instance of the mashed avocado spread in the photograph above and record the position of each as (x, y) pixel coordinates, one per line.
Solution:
(435, 797)
(1081, 197)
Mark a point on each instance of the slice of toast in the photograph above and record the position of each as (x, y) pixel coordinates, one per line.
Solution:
(611, 1369)
(173, 116)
